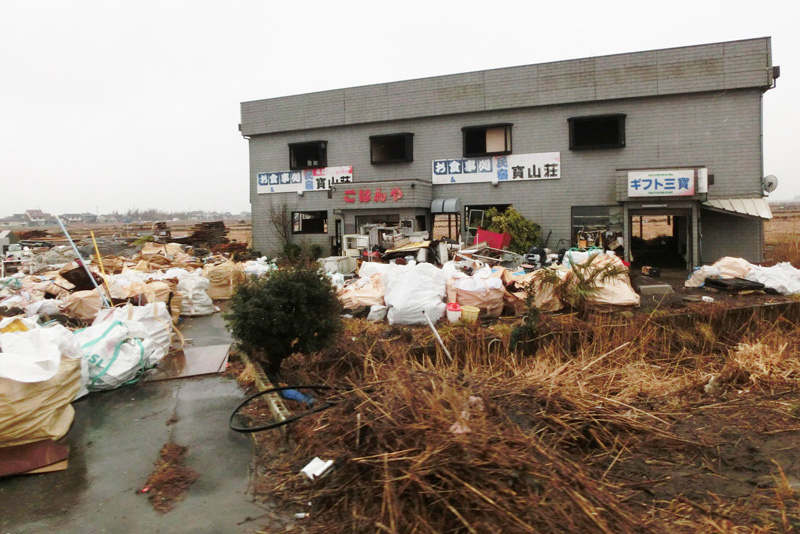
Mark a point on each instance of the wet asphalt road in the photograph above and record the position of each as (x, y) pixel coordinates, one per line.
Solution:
(114, 442)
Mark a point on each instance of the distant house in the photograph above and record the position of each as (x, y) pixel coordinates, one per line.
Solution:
(7, 237)
(71, 217)
(108, 219)
(79, 217)
(16, 220)
(35, 217)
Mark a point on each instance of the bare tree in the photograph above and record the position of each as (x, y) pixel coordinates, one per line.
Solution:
(281, 218)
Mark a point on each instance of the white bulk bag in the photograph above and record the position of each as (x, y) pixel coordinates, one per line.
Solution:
(154, 318)
(115, 353)
(195, 299)
(412, 289)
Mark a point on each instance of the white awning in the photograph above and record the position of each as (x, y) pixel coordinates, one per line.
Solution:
(445, 205)
(751, 207)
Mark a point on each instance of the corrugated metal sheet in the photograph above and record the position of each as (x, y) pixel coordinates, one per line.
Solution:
(753, 207)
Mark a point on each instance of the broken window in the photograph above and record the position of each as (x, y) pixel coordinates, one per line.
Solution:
(493, 139)
(393, 148)
(308, 155)
(598, 131)
(310, 222)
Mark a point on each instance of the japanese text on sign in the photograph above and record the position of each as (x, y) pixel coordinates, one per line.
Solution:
(363, 196)
(306, 180)
(543, 166)
(661, 183)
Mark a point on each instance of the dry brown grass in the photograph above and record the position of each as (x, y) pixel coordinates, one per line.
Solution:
(784, 249)
(599, 426)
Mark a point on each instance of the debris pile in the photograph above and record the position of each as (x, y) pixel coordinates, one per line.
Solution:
(494, 290)
(206, 234)
(170, 478)
(732, 273)
(68, 328)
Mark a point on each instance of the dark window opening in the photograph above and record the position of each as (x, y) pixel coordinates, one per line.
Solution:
(308, 155)
(494, 139)
(309, 222)
(599, 131)
(395, 148)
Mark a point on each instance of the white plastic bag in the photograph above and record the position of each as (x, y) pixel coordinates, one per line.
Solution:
(31, 356)
(783, 278)
(377, 313)
(579, 257)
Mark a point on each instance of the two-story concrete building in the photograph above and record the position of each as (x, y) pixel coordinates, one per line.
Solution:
(597, 143)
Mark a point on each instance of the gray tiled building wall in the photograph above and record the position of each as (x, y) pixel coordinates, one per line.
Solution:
(693, 106)
(718, 130)
(711, 67)
(728, 235)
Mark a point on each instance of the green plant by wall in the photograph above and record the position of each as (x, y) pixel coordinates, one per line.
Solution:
(293, 309)
(524, 233)
(582, 282)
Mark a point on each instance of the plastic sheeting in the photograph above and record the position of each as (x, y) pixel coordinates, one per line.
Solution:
(782, 278)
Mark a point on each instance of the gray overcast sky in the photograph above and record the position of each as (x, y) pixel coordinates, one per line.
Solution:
(123, 104)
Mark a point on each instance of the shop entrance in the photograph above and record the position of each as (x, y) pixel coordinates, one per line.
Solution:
(662, 239)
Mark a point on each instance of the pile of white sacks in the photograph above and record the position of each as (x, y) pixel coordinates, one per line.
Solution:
(782, 278)
(43, 368)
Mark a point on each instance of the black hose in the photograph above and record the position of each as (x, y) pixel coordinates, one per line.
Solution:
(287, 421)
